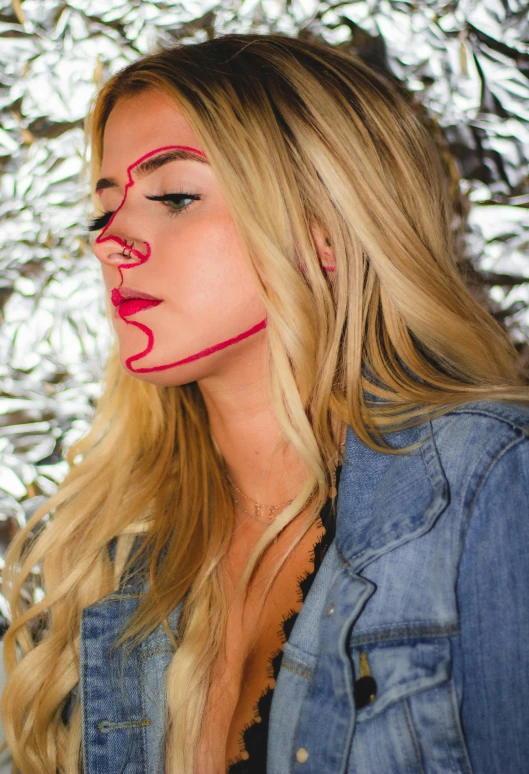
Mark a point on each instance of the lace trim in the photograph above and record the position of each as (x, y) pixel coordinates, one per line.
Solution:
(254, 735)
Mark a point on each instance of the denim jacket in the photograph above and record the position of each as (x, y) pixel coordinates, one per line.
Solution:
(427, 578)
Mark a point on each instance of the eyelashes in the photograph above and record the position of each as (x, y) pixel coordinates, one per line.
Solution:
(169, 200)
(98, 223)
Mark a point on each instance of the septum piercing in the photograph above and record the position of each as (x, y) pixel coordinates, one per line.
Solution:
(129, 248)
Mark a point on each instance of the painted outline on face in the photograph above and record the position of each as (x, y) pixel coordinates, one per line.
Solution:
(143, 257)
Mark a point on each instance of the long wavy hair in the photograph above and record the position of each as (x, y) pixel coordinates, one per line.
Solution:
(298, 133)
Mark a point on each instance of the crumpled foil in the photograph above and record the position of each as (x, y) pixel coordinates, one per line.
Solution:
(468, 61)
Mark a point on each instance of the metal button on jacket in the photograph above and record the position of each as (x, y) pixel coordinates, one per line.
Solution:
(302, 755)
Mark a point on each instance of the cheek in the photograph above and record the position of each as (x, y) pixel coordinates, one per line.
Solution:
(203, 265)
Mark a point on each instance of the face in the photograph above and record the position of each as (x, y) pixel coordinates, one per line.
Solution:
(185, 304)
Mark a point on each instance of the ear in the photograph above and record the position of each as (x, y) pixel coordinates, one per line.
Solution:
(323, 246)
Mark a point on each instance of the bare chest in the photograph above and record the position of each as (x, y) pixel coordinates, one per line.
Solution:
(244, 672)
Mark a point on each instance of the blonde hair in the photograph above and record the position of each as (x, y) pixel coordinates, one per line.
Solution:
(297, 132)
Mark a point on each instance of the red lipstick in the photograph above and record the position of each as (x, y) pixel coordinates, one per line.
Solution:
(129, 301)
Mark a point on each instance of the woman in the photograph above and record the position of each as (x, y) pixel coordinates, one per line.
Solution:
(276, 252)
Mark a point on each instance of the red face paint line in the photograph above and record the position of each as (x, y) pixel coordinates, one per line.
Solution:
(126, 304)
(191, 358)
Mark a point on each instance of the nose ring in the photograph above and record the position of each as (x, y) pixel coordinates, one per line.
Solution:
(129, 248)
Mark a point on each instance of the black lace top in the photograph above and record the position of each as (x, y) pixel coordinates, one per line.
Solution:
(255, 735)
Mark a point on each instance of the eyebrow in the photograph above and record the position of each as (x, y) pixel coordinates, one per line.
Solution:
(150, 165)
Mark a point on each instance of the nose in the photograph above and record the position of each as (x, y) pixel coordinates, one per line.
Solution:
(114, 249)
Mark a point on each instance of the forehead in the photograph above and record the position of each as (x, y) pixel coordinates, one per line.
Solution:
(140, 123)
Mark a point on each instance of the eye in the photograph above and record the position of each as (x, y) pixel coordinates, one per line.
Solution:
(170, 201)
(98, 223)
(173, 199)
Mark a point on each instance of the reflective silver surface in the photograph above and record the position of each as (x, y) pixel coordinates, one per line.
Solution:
(468, 61)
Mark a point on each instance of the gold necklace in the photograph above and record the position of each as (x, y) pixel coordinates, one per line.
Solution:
(273, 508)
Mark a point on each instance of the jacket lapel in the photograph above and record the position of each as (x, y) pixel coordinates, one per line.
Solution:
(384, 501)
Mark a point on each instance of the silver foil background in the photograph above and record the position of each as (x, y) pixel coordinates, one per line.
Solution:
(468, 61)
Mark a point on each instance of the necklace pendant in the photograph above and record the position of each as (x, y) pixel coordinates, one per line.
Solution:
(258, 509)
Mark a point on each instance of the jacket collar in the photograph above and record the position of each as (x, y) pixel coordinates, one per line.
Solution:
(386, 500)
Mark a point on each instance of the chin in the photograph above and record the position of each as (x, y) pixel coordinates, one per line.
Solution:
(151, 370)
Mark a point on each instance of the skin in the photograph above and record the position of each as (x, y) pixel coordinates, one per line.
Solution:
(193, 262)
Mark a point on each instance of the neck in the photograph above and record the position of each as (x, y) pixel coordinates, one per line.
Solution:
(248, 437)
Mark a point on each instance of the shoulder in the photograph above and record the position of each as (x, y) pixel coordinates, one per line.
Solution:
(492, 439)
(482, 425)
(483, 448)
(387, 500)
(456, 453)
(492, 582)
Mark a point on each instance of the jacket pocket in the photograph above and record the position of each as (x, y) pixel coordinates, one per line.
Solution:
(412, 724)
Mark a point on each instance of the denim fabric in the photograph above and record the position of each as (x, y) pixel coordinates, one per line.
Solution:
(428, 575)
(122, 695)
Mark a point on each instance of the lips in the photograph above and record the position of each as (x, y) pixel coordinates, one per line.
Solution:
(129, 301)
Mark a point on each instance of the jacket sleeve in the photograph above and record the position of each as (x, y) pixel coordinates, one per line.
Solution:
(493, 600)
